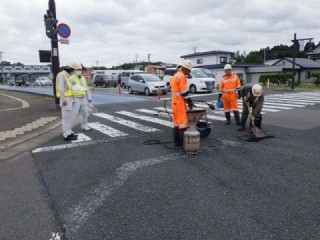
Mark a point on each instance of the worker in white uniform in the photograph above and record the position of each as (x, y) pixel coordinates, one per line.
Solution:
(81, 94)
(64, 93)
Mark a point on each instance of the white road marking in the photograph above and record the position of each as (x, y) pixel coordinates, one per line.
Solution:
(147, 118)
(63, 146)
(152, 112)
(82, 138)
(127, 123)
(77, 216)
(112, 132)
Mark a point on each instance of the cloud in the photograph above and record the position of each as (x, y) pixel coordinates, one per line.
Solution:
(114, 32)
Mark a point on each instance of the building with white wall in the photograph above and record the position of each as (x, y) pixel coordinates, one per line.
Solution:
(10, 72)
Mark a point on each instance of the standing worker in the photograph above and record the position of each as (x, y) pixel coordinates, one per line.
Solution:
(228, 88)
(178, 84)
(81, 94)
(252, 95)
(64, 92)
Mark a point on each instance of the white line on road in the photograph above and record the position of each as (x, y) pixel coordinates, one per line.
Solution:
(112, 132)
(146, 118)
(78, 215)
(127, 123)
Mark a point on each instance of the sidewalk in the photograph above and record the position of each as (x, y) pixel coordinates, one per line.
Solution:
(25, 115)
(27, 112)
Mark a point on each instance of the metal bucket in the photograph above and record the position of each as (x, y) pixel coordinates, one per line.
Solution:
(191, 141)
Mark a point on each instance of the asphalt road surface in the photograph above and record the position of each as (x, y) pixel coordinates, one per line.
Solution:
(124, 179)
(113, 185)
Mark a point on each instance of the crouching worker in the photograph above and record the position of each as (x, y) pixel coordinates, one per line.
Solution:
(178, 84)
(252, 95)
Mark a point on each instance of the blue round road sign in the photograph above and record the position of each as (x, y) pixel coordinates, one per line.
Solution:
(64, 30)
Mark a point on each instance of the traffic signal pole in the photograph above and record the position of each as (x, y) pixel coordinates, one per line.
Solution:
(55, 64)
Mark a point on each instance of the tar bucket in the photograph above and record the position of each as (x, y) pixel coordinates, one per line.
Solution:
(191, 141)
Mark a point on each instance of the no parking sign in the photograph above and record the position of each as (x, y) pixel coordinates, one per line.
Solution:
(64, 30)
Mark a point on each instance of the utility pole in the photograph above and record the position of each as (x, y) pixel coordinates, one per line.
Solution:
(1, 67)
(295, 40)
(136, 62)
(149, 62)
(55, 64)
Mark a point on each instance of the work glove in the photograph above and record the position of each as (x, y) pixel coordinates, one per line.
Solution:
(239, 94)
(189, 101)
(219, 96)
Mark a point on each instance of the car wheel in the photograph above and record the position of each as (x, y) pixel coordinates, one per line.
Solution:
(193, 89)
(164, 93)
(130, 90)
(147, 91)
(105, 85)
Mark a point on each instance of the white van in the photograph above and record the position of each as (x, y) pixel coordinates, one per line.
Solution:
(197, 81)
(124, 76)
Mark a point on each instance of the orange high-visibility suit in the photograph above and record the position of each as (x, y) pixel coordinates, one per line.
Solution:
(228, 87)
(178, 84)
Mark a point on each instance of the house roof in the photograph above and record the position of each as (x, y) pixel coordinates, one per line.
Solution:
(235, 65)
(314, 52)
(206, 53)
(302, 62)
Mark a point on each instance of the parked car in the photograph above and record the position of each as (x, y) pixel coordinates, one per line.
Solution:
(147, 84)
(24, 80)
(104, 81)
(125, 74)
(197, 80)
(20, 80)
(11, 82)
(43, 81)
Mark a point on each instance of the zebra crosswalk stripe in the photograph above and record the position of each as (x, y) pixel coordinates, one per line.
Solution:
(82, 138)
(112, 132)
(146, 118)
(127, 123)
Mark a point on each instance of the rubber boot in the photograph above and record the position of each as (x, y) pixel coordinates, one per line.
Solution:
(237, 117)
(176, 137)
(243, 126)
(227, 114)
(250, 130)
(181, 132)
(257, 122)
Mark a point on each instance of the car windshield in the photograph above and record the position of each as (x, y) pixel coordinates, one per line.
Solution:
(208, 72)
(151, 78)
(198, 73)
(107, 77)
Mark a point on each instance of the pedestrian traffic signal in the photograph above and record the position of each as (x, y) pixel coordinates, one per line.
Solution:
(51, 27)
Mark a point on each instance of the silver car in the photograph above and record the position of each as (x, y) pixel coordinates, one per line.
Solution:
(147, 84)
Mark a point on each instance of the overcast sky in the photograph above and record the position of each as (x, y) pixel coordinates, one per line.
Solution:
(113, 32)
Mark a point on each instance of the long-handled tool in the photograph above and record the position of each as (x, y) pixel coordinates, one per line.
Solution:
(257, 132)
(211, 106)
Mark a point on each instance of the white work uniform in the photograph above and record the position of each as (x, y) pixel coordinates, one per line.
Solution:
(66, 111)
(81, 95)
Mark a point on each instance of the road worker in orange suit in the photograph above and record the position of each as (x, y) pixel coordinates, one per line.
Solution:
(229, 91)
(178, 84)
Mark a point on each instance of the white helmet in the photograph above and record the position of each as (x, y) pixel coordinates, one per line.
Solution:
(72, 65)
(187, 64)
(256, 90)
(79, 67)
(227, 67)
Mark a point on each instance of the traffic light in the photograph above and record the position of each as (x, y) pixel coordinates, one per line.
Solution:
(51, 27)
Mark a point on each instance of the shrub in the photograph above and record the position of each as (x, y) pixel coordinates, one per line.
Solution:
(277, 78)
